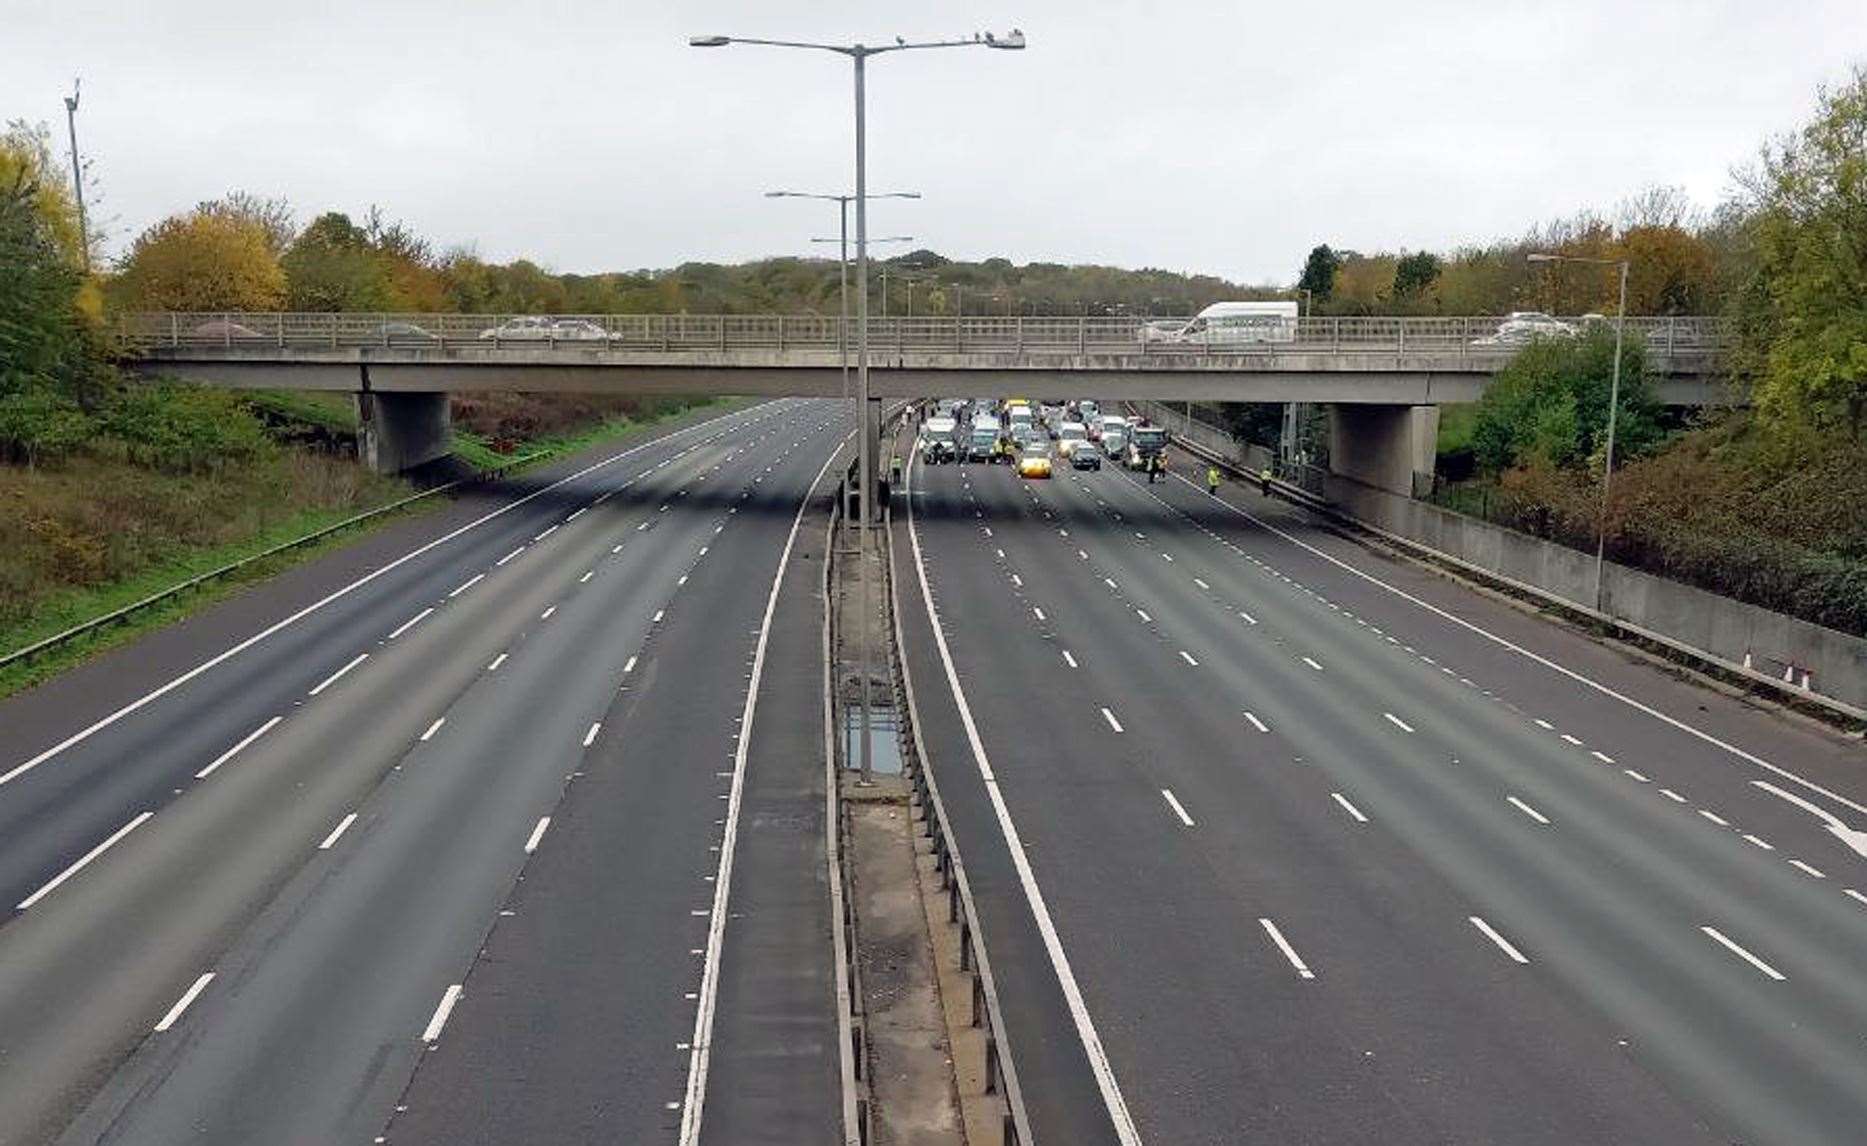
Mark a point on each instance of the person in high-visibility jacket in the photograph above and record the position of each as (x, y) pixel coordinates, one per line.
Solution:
(1264, 481)
(1212, 480)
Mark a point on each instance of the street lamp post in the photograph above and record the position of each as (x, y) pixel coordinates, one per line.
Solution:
(842, 268)
(858, 55)
(77, 174)
(1614, 405)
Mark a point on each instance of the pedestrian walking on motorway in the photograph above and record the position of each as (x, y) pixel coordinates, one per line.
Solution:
(1264, 481)
(1153, 468)
(894, 468)
(1212, 480)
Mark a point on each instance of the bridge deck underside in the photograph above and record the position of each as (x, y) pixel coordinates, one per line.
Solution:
(1288, 377)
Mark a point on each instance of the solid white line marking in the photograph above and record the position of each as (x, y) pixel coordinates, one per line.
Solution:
(1743, 954)
(538, 833)
(405, 626)
(1349, 808)
(1256, 723)
(1068, 659)
(227, 654)
(332, 679)
(1188, 658)
(1536, 658)
(548, 532)
(343, 825)
(1106, 1083)
(1110, 717)
(497, 661)
(1397, 722)
(1312, 664)
(230, 753)
(466, 585)
(182, 1004)
(589, 737)
(700, 1059)
(74, 869)
(1527, 810)
(1503, 943)
(1277, 937)
(434, 728)
(439, 1021)
(1174, 803)
(1806, 869)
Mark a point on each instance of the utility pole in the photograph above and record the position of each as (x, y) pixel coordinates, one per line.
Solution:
(77, 174)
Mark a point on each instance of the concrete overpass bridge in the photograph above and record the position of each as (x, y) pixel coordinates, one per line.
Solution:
(1383, 377)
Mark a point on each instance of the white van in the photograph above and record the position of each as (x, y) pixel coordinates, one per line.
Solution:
(1233, 324)
(1114, 435)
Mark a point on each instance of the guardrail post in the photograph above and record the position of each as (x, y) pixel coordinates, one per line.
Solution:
(175, 332)
(722, 321)
(1082, 336)
(1335, 334)
(1018, 337)
(781, 334)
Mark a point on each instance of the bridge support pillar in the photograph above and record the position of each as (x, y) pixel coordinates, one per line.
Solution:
(1388, 447)
(399, 431)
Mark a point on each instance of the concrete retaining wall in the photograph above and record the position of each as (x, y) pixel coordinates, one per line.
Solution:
(1821, 663)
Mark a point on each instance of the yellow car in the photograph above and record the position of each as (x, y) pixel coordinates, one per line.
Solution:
(1034, 462)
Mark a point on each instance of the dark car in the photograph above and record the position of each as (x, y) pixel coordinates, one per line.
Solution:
(1085, 457)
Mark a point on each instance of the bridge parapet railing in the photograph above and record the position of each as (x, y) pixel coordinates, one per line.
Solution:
(1036, 336)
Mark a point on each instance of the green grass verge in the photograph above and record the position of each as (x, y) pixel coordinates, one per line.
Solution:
(61, 611)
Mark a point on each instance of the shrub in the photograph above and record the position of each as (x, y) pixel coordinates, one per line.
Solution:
(184, 428)
(39, 426)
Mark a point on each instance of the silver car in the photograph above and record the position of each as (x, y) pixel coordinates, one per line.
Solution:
(1519, 327)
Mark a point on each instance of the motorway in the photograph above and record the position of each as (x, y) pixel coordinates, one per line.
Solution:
(1278, 840)
(438, 846)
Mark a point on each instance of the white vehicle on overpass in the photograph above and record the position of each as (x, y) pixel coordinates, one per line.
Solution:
(1232, 324)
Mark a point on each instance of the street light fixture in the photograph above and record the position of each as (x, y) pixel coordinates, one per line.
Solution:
(842, 203)
(1614, 402)
(77, 174)
(858, 55)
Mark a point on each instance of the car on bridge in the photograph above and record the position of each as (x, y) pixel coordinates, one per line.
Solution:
(529, 327)
(1521, 326)
(224, 328)
(1230, 324)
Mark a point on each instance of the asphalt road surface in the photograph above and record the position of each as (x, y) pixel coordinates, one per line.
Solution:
(447, 837)
(1278, 840)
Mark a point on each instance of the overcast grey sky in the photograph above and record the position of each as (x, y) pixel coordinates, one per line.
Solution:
(1225, 138)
